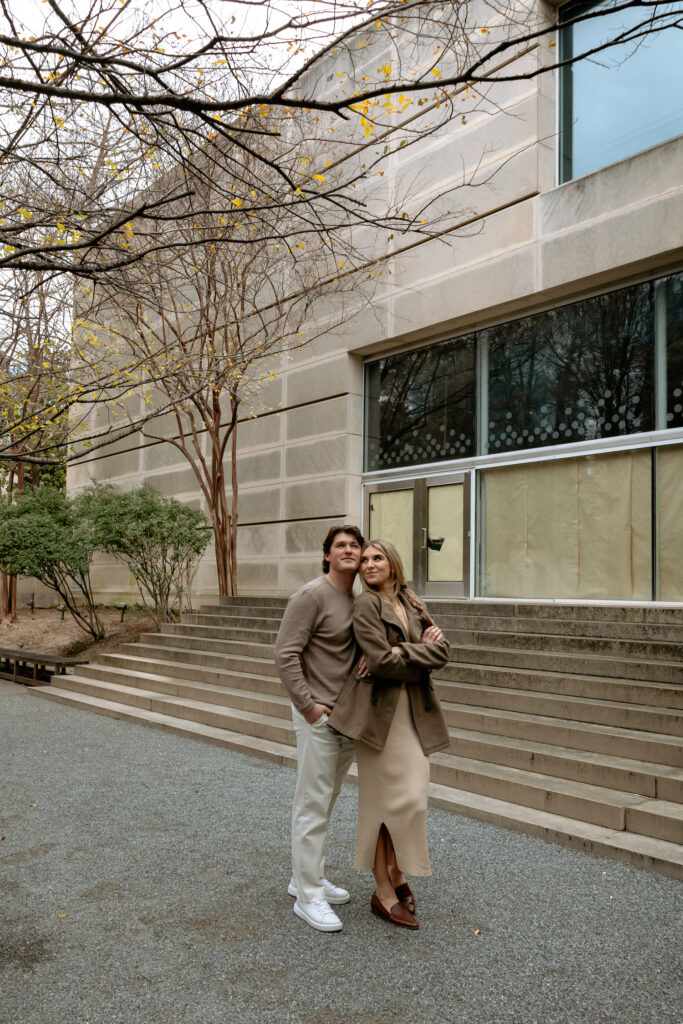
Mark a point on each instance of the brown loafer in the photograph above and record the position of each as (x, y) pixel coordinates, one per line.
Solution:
(404, 895)
(398, 914)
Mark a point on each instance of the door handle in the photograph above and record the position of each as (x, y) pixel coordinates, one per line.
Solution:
(423, 539)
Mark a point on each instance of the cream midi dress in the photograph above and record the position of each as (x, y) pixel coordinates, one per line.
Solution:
(392, 790)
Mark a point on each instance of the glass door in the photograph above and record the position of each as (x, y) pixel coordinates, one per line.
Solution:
(390, 515)
(444, 537)
(428, 521)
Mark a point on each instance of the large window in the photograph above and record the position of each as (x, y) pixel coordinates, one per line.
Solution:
(420, 406)
(622, 99)
(572, 374)
(604, 367)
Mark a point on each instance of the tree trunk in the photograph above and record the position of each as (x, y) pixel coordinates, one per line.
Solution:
(13, 598)
(9, 596)
(9, 583)
(232, 522)
(224, 517)
(220, 540)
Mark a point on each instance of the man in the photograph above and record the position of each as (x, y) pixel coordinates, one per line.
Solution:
(315, 652)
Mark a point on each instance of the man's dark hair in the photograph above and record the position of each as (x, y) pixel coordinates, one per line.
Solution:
(332, 533)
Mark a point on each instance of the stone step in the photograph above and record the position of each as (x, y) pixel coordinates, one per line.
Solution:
(282, 753)
(271, 602)
(230, 672)
(631, 776)
(234, 621)
(95, 679)
(597, 687)
(228, 662)
(263, 725)
(206, 638)
(268, 718)
(588, 628)
(589, 663)
(258, 616)
(612, 616)
(660, 819)
(561, 611)
(204, 618)
(235, 610)
(583, 736)
(577, 709)
(263, 695)
(562, 644)
(634, 848)
(140, 658)
(574, 664)
(629, 847)
(593, 804)
(544, 661)
(204, 623)
(198, 650)
(135, 665)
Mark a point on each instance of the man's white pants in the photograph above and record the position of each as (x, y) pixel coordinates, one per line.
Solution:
(324, 757)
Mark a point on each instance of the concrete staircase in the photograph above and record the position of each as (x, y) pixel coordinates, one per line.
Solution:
(565, 721)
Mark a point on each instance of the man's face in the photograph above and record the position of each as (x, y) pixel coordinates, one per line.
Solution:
(344, 554)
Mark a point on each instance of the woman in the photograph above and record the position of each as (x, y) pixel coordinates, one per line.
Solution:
(394, 716)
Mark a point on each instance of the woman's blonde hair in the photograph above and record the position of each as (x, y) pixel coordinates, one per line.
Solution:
(398, 586)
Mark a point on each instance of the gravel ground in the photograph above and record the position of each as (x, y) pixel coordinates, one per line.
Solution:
(144, 881)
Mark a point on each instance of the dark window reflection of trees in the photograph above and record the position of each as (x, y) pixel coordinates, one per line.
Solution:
(572, 374)
(674, 351)
(577, 373)
(421, 405)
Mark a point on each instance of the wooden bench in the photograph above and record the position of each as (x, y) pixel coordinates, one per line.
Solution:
(34, 669)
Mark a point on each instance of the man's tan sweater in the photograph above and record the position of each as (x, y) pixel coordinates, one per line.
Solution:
(315, 649)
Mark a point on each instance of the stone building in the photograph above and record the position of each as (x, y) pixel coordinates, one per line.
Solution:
(510, 411)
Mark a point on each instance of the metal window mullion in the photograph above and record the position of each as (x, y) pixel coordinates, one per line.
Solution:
(654, 526)
(660, 377)
(480, 526)
(482, 395)
(660, 410)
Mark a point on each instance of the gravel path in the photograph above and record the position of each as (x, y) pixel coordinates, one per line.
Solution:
(143, 881)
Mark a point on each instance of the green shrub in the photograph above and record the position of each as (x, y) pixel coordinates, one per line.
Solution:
(159, 539)
(42, 535)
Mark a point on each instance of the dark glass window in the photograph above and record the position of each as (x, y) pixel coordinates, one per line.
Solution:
(674, 351)
(572, 374)
(622, 99)
(577, 373)
(420, 405)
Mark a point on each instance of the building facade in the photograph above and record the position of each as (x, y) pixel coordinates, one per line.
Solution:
(509, 408)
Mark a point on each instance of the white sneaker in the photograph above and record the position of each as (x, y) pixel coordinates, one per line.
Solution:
(319, 914)
(333, 893)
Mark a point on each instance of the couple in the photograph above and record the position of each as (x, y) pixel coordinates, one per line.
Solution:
(383, 706)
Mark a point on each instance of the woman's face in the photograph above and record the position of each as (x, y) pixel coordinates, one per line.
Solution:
(375, 568)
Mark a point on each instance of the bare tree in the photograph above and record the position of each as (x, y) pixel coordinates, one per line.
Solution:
(126, 137)
(207, 324)
(179, 77)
